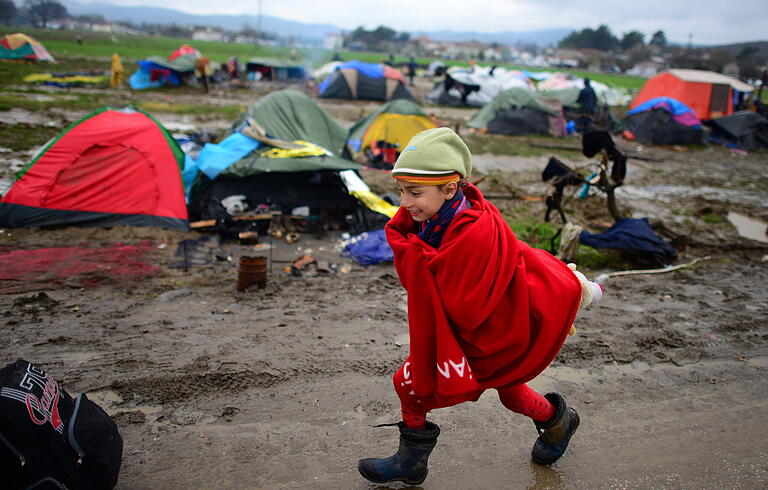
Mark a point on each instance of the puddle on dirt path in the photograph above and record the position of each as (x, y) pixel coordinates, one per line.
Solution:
(674, 193)
(5, 185)
(749, 227)
(108, 397)
(15, 116)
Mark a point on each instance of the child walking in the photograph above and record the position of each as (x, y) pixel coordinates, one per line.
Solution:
(485, 310)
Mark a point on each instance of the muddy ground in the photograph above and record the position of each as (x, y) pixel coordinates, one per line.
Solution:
(280, 387)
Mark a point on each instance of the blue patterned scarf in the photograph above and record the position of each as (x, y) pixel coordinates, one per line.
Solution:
(432, 230)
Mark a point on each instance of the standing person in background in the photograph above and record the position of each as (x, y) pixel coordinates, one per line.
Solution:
(411, 69)
(203, 71)
(485, 310)
(116, 78)
(588, 103)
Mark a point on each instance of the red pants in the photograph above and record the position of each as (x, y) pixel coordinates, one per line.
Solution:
(518, 398)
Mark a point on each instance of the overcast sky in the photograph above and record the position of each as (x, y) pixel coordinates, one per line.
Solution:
(705, 21)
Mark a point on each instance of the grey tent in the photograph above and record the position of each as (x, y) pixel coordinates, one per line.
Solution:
(519, 111)
(744, 129)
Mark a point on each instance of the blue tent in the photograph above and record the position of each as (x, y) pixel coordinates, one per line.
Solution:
(358, 80)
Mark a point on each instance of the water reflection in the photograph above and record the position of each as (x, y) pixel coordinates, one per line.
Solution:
(749, 227)
(544, 477)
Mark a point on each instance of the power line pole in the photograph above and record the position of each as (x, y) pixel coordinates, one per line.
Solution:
(259, 6)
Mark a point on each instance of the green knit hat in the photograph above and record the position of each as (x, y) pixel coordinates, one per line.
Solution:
(432, 157)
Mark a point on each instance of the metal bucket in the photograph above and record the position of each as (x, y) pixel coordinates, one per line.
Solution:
(253, 271)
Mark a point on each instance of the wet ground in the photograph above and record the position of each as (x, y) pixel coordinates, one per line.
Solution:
(280, 387)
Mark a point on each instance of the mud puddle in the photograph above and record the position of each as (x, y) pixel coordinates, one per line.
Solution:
(749, 227)
(668, 194)
(15, 116)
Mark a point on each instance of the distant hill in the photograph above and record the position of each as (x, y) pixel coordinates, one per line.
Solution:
(541, 37)
(285, 28)
(735, 49)
(159, 15)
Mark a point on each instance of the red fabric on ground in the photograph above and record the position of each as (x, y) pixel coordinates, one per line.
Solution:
(485, 310)
(83, 266)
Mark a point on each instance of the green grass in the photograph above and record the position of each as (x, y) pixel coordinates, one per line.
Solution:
(499, 144)
(712, 218)
(22, 136)
(538, 234)
(81, 102)
(226, 111)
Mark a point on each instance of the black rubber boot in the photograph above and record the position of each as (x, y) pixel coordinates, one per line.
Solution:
(555, 433)
(409, 463)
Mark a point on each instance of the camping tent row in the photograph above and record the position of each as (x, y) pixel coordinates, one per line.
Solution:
(667, 121)
(477, 86)
(21, 47)
(676, 106)
(708, 94)
(120, 166)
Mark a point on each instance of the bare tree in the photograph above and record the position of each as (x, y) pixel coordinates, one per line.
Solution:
(43, 11)
(7, 11)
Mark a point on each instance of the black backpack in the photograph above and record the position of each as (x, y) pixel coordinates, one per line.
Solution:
(50, 440)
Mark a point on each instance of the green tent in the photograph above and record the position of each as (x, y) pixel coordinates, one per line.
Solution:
(297, 164)
(289, 115)
(514, 98)
(568, 96)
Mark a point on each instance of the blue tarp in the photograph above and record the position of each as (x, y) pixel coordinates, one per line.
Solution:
(371, 70)
(632, 235)
(152, 75)
(674, 106)
(215, 158)
(680, 112)
(536, 75)
(369, 248)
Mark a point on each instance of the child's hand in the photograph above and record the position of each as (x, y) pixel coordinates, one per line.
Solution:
(591, 292)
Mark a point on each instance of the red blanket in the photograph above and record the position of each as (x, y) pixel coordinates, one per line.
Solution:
(485, 309)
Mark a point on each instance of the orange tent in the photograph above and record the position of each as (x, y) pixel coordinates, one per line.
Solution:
(707, 93)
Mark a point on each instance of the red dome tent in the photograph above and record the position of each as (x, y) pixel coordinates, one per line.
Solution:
(182, 50)
(113, 167)
(707, 93)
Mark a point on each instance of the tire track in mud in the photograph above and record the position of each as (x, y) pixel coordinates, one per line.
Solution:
(173, 387)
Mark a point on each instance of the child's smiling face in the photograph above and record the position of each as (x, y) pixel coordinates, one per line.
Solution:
(423, 201)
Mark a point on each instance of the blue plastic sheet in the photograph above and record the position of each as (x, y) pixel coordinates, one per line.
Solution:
(632, 235)
(215, 158)
(142, 78)
(369, 248)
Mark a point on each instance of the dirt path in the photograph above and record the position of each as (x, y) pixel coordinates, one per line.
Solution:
(278, 388)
